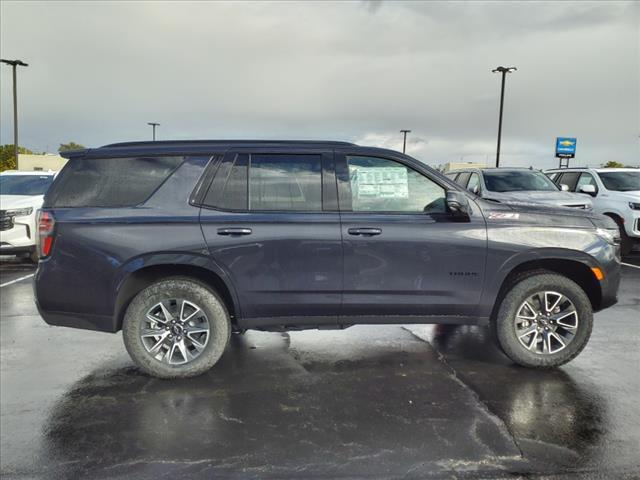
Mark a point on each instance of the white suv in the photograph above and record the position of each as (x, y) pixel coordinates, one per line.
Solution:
(21, 195)
(615, 192)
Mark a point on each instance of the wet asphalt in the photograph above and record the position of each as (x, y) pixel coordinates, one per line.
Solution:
(370, 401)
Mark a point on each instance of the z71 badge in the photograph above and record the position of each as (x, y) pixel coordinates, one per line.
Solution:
(503, 216)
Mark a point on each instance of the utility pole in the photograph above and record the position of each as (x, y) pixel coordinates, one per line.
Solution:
(404, 142)
(14, 64)
(504, 71)
(153, 125)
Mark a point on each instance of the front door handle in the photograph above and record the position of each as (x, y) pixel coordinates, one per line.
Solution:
(367, 232)
(234, 231)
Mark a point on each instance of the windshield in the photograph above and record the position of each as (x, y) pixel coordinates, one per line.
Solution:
(510, 181)
(24, 184)
(621, 181)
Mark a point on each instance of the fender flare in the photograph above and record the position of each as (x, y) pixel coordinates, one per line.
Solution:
(199, 260)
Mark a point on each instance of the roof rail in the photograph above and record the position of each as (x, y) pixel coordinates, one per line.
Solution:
(185, 143)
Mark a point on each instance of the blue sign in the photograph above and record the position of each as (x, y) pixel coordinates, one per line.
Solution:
(565, 147)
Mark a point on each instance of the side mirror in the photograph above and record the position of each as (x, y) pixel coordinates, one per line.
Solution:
(588, 189)
(564, 187)
(458, 203)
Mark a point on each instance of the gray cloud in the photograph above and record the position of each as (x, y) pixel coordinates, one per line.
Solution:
(342, 70)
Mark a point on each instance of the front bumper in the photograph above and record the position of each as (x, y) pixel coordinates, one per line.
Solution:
(632, 224)
(20, 233)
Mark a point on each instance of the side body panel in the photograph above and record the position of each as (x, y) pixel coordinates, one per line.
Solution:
(95, 248)
(287, 263)
(420, 265)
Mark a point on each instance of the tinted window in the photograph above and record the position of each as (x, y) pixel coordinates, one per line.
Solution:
(285, 182)
(621, 181)
(474, 183)
(24, 184)
(452, 176)
(229, 187)
(515, 181)
(110, 182)
(463, 178)
(381, 185)
(569, 179)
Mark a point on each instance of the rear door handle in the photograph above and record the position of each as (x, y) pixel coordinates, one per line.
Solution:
(367, 232)
(234, 231)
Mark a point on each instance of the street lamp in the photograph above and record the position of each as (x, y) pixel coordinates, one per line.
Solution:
(404, 143)
(14, 64)
(153, 125)
(503, 71)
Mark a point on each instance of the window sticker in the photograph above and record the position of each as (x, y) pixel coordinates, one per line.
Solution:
(385, 182)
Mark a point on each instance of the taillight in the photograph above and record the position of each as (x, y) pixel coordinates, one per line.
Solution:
(46, 224)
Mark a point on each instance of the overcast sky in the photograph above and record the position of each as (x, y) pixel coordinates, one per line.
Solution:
(357, 71)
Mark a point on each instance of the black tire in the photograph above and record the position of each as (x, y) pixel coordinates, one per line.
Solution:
(34, 257)
(520, 290)
(191, 291)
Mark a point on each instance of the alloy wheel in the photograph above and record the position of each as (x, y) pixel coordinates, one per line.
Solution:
(546, 322)
(175, 331)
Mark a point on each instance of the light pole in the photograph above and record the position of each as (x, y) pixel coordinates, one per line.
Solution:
(14, 64)
(404, 142)
(504, 71)
(153, 125)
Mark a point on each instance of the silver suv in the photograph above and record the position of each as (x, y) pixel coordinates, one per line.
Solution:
(517, 185)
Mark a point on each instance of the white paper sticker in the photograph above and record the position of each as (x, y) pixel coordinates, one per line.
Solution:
(386, 182)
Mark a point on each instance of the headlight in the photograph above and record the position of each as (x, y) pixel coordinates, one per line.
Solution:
(609, 235)
(20, 212)
(634, 206)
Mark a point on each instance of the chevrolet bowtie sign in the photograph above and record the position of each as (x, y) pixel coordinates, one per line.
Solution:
(565, 147)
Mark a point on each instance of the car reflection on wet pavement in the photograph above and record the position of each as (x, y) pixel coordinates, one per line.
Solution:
(369, 401)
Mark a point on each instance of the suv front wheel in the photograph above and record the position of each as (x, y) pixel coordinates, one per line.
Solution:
(176, 328)
(545, 320)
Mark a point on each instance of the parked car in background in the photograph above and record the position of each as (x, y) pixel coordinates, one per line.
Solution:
(615, 192)
(178, 244)
(21, 195)
(520, 185)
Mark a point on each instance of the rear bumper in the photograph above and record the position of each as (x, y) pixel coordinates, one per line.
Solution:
(85, 321)
(46, 294)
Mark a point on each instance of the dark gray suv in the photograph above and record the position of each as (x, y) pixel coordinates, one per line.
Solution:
(179, 244)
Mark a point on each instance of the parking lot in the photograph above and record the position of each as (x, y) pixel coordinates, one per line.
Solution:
(387, 401)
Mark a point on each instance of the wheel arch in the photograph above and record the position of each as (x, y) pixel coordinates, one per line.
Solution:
(201, 269)
(576, 269)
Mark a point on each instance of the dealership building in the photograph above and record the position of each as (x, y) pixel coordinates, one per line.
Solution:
(38, 162)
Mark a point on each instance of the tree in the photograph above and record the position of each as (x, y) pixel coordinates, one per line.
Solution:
(7, 159)
(64, 147)
(612, 164)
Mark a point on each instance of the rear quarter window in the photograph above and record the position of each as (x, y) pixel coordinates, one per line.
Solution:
(110, 182)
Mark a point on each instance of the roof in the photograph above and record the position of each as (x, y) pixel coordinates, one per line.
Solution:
(171, 143)
(595, 169)
(194, 146)
(495, 169)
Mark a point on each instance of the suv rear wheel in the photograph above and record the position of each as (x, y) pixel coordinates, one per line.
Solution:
(176, 328)
(545, 320)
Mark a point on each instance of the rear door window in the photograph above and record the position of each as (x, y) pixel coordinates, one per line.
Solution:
(285, 182)
(228, 191)
(110, 182)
